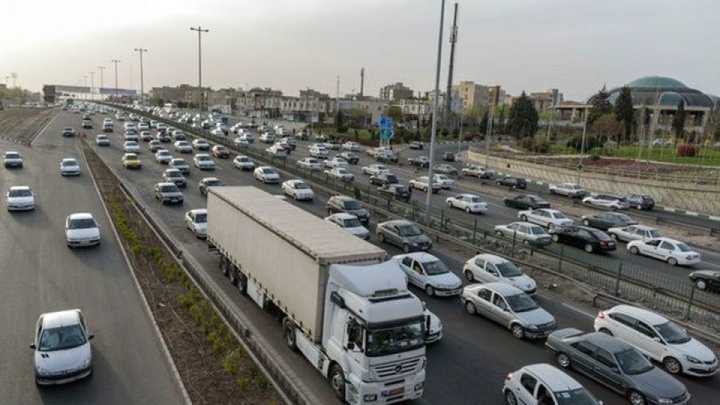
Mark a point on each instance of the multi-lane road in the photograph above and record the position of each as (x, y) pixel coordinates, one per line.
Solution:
(467, 366)
(40, 274)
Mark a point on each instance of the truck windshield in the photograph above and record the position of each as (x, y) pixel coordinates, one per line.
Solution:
(396, 339)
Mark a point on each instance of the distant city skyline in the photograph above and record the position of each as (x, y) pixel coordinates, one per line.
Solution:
(525, 45)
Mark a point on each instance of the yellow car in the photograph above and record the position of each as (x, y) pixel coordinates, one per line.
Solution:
(131, 161)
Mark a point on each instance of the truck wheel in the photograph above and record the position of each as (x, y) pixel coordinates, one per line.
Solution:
(224, 264)
(337, 381)
(242, 283)
(289, 334)
(232, 275)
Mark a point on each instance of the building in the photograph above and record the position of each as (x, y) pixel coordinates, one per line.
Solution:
(394, 92)
(474, 96)
(546, 100)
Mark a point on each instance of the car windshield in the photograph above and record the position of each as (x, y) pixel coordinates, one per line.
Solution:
(536, 230)
(521, 302)
(476, 200)
(301, 186)
(69, 163)
(409, 230)
(683, 247)
(395, 339)
(632, 362)
(672, 333)
(351, 223)
(435, 268)
(20, 193)
(174, 174)
(200, 218)
(170, 188)
(654, 233)
(12, 156)
(64, 337)
(203, 158)
(560, 215)
(578, 396)
(341, 171)
(268, 170)
(82, 223)
(599, 235)
(212, 183)
(508, 269)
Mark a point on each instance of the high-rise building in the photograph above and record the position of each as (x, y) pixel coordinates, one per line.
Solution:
(395, 91)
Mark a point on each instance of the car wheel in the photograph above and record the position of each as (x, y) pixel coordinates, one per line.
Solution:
(552, 191)
(467, 209)
(406, 248)
(556, 238)
(429, 290)
(563, 360)
(523, 218)
(589, 248)
(449, 204)
(469, 276)
(499, 234)
(701, 284)
(337, 381)
(510, 398)
(586, 222)
(613, 236)
(605, 331)
(672, 365)
(470, 308)
(518, 331)
(638, 207)
(381, 237)
(289, 334)
(634, 250)
(636, 398)
(550, 226)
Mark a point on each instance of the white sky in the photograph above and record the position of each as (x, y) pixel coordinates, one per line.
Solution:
(574, 45)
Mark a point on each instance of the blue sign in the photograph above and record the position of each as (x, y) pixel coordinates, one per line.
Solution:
(386, 128)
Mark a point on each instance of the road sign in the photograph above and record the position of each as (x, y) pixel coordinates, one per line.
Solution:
(386, 128)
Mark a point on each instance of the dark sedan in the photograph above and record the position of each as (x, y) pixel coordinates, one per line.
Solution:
(590, 239)
(617, 365)
(351, 157)
(396, 191)
(448, 157)
(512, 182)
(220, 152)
(607, 220)
(526, 201)
(706, 280)
(383, 179)
(640, 201)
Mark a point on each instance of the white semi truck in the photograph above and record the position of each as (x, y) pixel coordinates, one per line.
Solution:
(342, 305)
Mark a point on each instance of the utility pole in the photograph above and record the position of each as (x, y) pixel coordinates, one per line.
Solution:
(582, 146)
(433, 131)
(101, 68)
(116, 61)
(448, 94)
(85, 84)
(142, 82)
(92, 85)
(200, 30)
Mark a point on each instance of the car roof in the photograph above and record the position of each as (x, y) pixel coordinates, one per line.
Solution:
(209, 178)
(556, 380)
(666, 239)
(165, 183)
(491, 258)
(502, 288)
(19, 188)
(396, 222)
(343, 215)
(607, 342)
(422, 257)
(640, 313)
(199, 211)
(61, 318)
(528, 224)
(80, 215)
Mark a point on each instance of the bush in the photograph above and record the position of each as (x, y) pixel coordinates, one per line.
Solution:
(526, 143)
(686, 150)
(576, 143)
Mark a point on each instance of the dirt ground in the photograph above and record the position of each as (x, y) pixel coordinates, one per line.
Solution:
(23, 123)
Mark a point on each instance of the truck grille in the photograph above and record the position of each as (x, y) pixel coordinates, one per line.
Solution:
(399, 368)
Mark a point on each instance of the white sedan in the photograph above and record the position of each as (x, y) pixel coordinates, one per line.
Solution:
(373, 170)
(81, 230)
(298, 190)
(668, 250)
(546, 217)
(468, 202)
(196, 222)
(634, 232)
(69, 167)
(422, 183)
(309, 163)
(336, 162)
(243, 162)
(20, 198)
(429, 273)
(524, 232)
(183, 146)
(445, 181)
(266, 174)
(131, 147)
(340, 173)
(163, 156)
(351, 146)
(62, 348)
(350, 223)
(201, 144)
(204, 161)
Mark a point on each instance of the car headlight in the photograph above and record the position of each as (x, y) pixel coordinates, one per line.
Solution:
(531, 327)
(692, 359)
(87, 362)
(413, 243)
(665, 401)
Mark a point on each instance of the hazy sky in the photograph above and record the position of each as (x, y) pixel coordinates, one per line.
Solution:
(574, 45)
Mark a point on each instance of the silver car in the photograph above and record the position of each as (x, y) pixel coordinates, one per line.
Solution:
(403, 234)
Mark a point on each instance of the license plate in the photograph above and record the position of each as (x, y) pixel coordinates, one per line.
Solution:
(396, 391)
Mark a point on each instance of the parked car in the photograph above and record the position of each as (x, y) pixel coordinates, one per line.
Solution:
(196, 222)
(20, 198)
(206, 183)
(568, 190)
(617, 365)
(62, 348)
(348, 205)
(448, 156)
(524, 232)
(350, 157)
(419, 161)
(416, 145)
(607, 201)
(168, 193)
(590, 239)
(336, 162)
(340, 173)
(266, 174)
(350, 223)
(668, 250)
(403, 234)
(538, 384)
(180, 164)
(423, 184)
(525, 201)
(298, 190)
(374, 169)
(446, 169)
(81, 230)
(481, 172)
(396, 191)
(220, 152)
(607, 220)
(546, 217)
(706, 280)
(309, 163)
(174, 176)
(163, 156)
(470, 203)
(634, 232)
(510, 307)
(102, 140)
(69, 167)
(658, 338)
(429, 273)
(383, 179)
(488, 268)
(243, 163)
(512, 182)
(131, 161)
(639, 201)
(203, 161)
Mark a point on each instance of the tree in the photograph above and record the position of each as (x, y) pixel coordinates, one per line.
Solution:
(678, 124)
(600, 106)
(523, 121)
(340, 122)
(484, 122)
(624, 112)
(606, 127)
(394, 112)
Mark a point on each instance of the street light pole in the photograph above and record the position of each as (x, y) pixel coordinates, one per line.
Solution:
(433, 131)
(582, 146)
(116, 61)
(200, 30)
(92, 85)
(488, 134)
(85, 84)
(142, 83)
(101, 68)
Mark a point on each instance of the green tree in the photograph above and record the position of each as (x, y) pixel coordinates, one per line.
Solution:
(394, 112)
(523, 121)
(340, 122)
(484, 123)
(624, 112)
(600, 106)
(678, 124)
(605, 128)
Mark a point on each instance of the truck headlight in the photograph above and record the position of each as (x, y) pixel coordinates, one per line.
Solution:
(419, 386)
(370, 398)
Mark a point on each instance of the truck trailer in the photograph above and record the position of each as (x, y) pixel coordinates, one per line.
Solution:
(342, 304)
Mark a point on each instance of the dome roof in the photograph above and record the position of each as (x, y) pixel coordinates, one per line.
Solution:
(656, 82)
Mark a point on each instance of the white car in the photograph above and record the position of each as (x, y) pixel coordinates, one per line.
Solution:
(102, 140)
(20, 198)
(298, 190)
(81, 230)
(536, 381)
(241, 142)
(183, 146)
(336, 162)
(62, 348)
(69, 167)
(487, 268)
(163, 156)
(470, 203)
(243, 162)
(309, 163)
(266, 174)
(131, 147)
(350, 223)
(525, 232)
(319, 152)
(429, 273)
(422, 184)
(668, 250)
(276, 151)
(204, 161)
(568, 190)
(340, 173)
(267, 137)
(659, 339)
(201, 144)
(445, 181)
(180, 164)
(375, 169)
(434, 327)
(12, 159)
(608, 201)
(546, 217)
(634, 232)
(196, 222)
(351, 146)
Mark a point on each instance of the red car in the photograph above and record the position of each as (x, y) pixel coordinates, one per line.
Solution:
(220, 151)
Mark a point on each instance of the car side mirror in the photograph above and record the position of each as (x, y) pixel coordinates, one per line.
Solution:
(350, 346)
(32, 345)
(91, 337)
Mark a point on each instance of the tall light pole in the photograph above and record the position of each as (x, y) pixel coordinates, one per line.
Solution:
(200, 30)
(92, 85)
(433, 131)
(116, 61)
(101, 68)
(142, 83)
(85, 83)
(582, 146)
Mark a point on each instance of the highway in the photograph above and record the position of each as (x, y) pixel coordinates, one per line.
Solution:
(40, 274)
(468, 366)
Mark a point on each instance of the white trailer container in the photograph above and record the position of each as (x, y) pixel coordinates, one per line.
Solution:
(346, 309)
